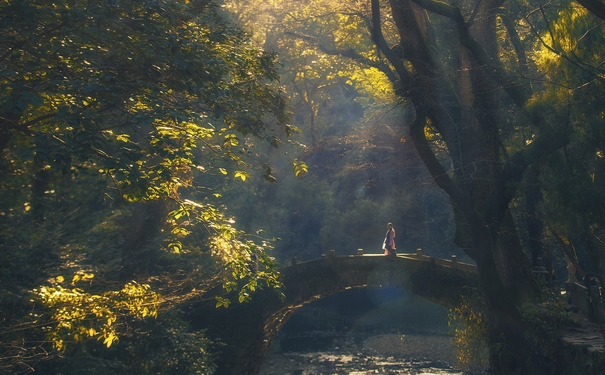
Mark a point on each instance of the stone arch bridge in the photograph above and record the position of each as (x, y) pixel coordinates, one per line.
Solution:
(247, 329)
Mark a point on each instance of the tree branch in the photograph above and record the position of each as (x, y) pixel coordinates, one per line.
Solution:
(349, 53)
(515, 167)
(515, 41)
(442, 179)
(382, 45)
(514, 89)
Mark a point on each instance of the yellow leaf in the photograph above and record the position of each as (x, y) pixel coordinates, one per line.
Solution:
(60, 279)
(58, 344)
(242, 175)
(223, 171)
(300, 168)
(109, 339)
(176, 247)
(92, 332)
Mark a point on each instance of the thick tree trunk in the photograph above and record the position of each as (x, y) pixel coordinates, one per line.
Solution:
(505, 325)
(535, 224)
(469, 127)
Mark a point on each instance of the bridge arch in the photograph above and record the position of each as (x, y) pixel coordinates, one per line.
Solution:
(248, 329)
(438, 280)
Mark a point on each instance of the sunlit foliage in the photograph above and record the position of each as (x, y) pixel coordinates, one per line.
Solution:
(106, 105)
(468, 329)
(78, 315)
(140, 107)
(570, 40)
(163, 346)
(241, 258)
(567, 53)
(309, 36)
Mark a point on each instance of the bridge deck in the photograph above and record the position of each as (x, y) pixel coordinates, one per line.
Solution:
(418, 256)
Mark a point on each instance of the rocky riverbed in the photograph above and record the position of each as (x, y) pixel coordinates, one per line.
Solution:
(362, 354)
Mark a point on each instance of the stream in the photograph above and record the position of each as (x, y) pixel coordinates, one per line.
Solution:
(362, 332)
(357, 354)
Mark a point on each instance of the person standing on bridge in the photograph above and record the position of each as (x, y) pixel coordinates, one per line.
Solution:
(389, 241)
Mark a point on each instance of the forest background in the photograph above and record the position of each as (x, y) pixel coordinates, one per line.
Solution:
(152, 151)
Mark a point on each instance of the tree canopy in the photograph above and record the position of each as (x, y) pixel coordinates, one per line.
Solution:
(125, 119)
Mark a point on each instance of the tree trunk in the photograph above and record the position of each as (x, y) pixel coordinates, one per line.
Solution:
(469, 124)
(535, 224)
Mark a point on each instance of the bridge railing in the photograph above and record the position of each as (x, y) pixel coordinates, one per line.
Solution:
(589, 301)
(450, 263)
